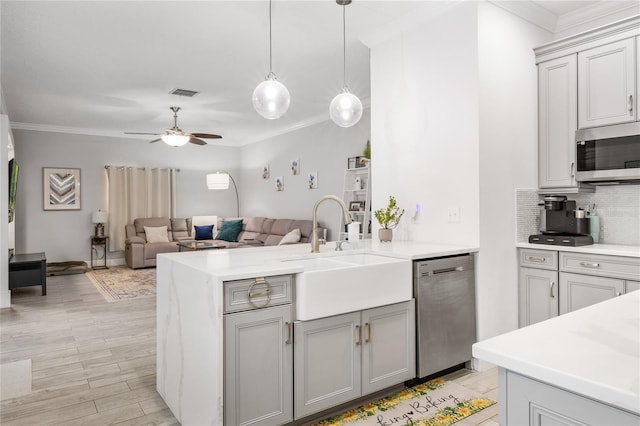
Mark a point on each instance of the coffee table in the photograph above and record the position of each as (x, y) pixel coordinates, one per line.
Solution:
(198, 245)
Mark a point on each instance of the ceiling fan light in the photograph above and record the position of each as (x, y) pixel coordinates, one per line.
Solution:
(271, 98)
(345, 109)
(175, 139)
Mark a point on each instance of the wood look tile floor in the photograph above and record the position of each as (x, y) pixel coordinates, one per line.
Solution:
(93, 362)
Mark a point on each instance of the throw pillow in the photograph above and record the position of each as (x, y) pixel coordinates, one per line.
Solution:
(156, 234)
(204, 232)
(291, 237)
(229, 230)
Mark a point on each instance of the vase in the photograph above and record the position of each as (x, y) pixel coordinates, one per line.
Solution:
(385, 235)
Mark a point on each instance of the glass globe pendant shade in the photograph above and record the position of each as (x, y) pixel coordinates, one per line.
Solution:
(174, 139)
(345, 109)
(271, 98)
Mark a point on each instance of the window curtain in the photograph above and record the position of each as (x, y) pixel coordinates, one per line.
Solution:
(136, 192)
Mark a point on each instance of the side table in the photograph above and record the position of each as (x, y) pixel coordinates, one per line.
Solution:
(28, 269)
(95, 243)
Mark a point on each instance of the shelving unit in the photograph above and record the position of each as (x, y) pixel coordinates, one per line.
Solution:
(362, 194)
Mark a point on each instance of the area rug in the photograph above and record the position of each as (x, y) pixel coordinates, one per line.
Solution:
(435, 403)
(122, 283)
(67, 268)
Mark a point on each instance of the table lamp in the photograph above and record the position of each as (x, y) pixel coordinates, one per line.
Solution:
(99, 218)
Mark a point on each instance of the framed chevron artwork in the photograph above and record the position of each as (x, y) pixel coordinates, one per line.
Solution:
(61, 188)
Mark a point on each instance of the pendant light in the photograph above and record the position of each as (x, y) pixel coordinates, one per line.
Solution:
(271, 98)
(345, 109)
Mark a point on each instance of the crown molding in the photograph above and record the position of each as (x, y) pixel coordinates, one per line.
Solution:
(595, 13)
(71, 130)
(530, 12)
(310, 121)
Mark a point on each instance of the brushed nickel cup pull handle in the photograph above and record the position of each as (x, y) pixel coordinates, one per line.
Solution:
(536, 259)
(590, 265)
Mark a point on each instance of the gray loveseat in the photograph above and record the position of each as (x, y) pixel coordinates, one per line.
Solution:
(256, 232)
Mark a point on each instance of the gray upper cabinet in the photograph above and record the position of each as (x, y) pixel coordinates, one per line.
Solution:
(607, 84)
(557, 122)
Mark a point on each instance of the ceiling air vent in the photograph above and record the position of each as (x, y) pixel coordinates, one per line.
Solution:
(183, 92)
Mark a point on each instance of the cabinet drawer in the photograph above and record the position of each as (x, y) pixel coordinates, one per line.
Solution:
(601, 265)
(257, 293)
(540, 259)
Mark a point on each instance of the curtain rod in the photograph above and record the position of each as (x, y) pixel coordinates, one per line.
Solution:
(139, 168)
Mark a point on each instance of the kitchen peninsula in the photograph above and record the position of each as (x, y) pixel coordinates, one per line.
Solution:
(581, 368)
(206, 315)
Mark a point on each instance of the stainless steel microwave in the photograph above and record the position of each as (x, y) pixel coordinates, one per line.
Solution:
(609, 154)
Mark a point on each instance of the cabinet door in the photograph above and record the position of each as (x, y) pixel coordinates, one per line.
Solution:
(606, 84)
(258, 385)
(538, 295)
(557, 122)
(632, 286)
(388, 346)
(327, 367)
(578, 291)
(530, 402)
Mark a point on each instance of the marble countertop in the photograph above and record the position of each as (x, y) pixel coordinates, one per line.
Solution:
(608, 249)
(236, 264)
(593, 351)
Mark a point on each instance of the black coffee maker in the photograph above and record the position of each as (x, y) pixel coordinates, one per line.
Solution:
(564, 223)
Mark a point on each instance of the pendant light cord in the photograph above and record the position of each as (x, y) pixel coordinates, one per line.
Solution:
(344, 48)
(270, 54)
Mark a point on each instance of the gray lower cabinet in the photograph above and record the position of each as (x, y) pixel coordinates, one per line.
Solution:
(537, 286)
(258, 376)
(535, 403)
(388, 346)
(327, 367)
(578, 291)
(538, 295)
(340, 358)
(632, 286)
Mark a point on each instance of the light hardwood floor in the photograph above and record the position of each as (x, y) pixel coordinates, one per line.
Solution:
(93, 362)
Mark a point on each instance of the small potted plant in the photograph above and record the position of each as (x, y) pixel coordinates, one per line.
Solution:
(388, 218)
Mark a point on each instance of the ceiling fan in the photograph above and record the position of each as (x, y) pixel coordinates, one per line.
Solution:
(174, 136)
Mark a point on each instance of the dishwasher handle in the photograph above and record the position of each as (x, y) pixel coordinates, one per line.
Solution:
(442, 271)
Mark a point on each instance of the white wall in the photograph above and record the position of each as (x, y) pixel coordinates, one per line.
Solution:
(322, 148)
(424, 125)
(454, 116)
(507, 156)
(64, 235)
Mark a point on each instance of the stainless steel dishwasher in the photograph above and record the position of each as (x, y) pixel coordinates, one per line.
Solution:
(444, 289)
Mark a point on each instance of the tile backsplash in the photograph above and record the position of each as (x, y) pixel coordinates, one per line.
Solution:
(617, 206)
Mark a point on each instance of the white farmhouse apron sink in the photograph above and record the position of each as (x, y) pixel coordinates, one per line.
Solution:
(336, 284)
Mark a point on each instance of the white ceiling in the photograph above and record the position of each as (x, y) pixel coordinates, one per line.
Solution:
(107, 67)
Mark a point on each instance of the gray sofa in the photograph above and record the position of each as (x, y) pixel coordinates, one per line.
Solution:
(256, 232)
